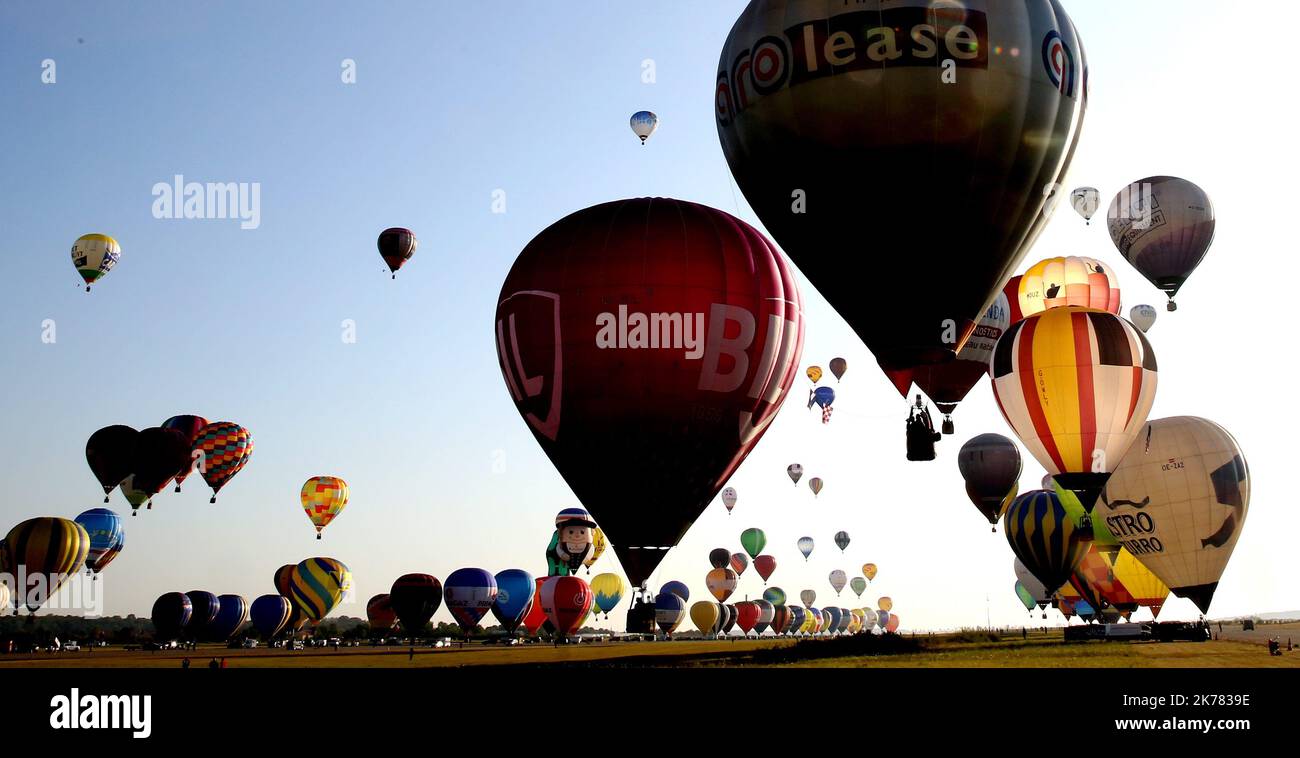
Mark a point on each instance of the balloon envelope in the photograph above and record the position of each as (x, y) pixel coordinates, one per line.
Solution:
(1178, 501)
(1163, 226)
(794, 471)
(396, 246)
(270, 614)
(1076, 386)
(1044, 537)
(802, 89)
(670, 609)
(94, 255)
(469, 594)
(170, 615)
(765, 565)
(566, 600)
(615, 326)
(1143, 317)
(380, 614)
(317, 585)
(107, 537)
(232, 612)
(47, 551)
(515, 595)
(721, 583)
(110, 452)
(704, 615)
(991, 465)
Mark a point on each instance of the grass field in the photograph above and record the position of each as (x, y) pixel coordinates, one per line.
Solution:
(964, 651)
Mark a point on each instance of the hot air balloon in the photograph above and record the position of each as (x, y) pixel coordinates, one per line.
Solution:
(774, 595)
(947, 384)
(1085, 201)
(729, 499)
(868, 618)
(160, 455)
(226, 448)
(892, 626)
(670, 609)
(535, 618)
(470, 592)
(598, 545)
(283, 578)
(704, 615)
(838, 579)
(191, 427)
(885, 604)
(719, 557)
(514, 596)
(111, 453)
(566, 601)
(1178, 501)
(1076, 386)
(835, 127)
(677, 588)
(232, 612)
(814, 374)
(1042, 596)
(1143, 317)
(808, 597)
(94, 255)
(171, 614)
(747, 614)
(1145, 588)
(204, 607)
(780, 619)
(107, 537)
(836, 615)
(721, 583)
(823, 397)
(990, 464)
(765, 565)
(766, 612)
(323, 498)
(869, 571)
(806, 547)
(1044, 537)
(608, 589)
(655, 353)
(794, 471)
(1163, 226)
(1025, 598)
(39, 555)
(396, 246)
(842, 541)
(753, 540)
(815, 484)
(739, 562)
(858, 585)
(798, 618)
(317, 585)
(732, 617)
(838, 367)
(1063, 282)
(380, 614)
(270, 614)
(644, 124)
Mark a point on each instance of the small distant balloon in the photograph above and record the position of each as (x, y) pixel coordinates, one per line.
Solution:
(815, 484)
(806, 545)
(795, 472)
(729, 498)
(838, 367)
(396, 246)
(644, 124)
(1086, 201)
(94, 255)
(1143, 317)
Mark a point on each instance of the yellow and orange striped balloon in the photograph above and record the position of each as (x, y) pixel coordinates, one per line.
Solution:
(317, 585)
(1076, 385)
(323, 498)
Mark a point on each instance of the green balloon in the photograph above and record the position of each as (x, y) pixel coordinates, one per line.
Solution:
(753, 540)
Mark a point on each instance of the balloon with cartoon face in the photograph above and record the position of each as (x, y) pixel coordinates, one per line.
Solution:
(572, 543)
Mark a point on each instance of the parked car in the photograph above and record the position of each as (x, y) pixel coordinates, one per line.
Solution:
(71, 646)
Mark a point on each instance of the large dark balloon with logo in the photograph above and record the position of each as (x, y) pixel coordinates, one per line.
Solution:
(922, 140)
(171, 614)
(415, 598)
(648, 344)
(111, 454)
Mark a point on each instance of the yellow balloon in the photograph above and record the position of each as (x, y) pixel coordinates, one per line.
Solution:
(323, 498)
(1058, 282)
(869, 571)
(885, 604)
(815, 374)
(704, 615)
(598, 545)
(607, 589)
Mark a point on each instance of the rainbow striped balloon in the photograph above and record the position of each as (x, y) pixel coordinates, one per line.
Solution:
(323, 498)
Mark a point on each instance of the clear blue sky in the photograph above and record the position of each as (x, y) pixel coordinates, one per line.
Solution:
(452, 102)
